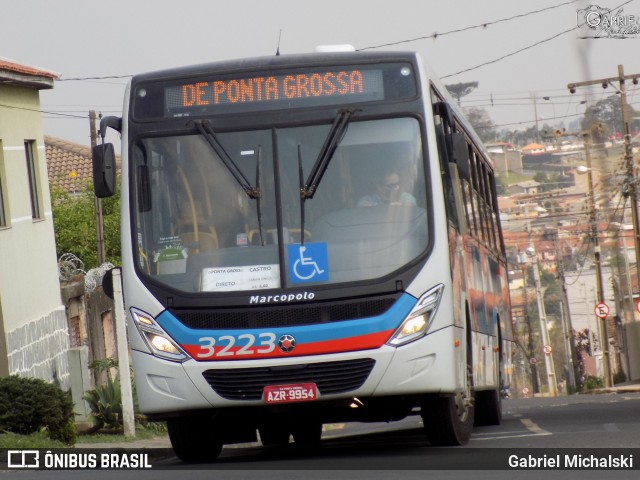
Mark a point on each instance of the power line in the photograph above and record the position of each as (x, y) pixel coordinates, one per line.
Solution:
(108, 77)
(472, 27)
(511, 54)
(524, 48)
(42, 111)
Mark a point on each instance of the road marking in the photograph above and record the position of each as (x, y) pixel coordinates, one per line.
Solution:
(533, 427)
(532, 430)
(611, 427)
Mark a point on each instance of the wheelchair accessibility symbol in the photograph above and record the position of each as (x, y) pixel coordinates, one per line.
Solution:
(308, 262)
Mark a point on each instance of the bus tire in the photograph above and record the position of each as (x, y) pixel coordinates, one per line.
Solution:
(273, 435)
(194, 439)
(488, 408)
(307, 434)
(448, 419)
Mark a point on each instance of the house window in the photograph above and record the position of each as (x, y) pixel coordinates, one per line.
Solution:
(34, 184)
(3, 203)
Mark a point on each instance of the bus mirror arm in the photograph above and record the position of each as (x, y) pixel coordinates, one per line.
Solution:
(110, 122)
(455, 142)
(459, 154)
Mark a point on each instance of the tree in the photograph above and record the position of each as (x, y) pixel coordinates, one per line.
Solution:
(459, 90)
(74, 221)
(607, 113)
(482, 123)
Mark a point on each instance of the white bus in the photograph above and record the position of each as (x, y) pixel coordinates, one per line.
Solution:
(307, 239)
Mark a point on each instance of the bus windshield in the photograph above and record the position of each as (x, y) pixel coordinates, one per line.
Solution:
(197, 229)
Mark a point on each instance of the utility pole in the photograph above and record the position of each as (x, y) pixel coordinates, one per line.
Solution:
(535, 112)
(98, 201)
(567, 327)
(544, 331)
(630, 188)
(604, 337)
(531, 359)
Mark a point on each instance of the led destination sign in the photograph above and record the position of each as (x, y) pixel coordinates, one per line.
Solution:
(266, 92)
(256, 90)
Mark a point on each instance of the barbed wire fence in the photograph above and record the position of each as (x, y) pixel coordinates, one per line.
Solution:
(70, 267)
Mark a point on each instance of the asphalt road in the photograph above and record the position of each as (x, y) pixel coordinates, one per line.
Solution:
(538, 426)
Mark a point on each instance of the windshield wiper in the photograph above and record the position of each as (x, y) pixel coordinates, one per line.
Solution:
(334, 137)
(338, 129)
(206, 130)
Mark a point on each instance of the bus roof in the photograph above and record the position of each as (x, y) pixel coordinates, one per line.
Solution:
(276, 61)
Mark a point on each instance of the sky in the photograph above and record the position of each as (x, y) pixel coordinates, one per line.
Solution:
(515, 41)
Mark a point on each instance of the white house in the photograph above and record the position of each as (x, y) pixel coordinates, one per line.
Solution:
(34, 337)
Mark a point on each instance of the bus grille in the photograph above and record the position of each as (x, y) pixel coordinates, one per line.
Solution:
(283, 316)
(329, 377)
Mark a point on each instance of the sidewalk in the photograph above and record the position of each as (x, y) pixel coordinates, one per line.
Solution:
(626, 387)
(157, 442)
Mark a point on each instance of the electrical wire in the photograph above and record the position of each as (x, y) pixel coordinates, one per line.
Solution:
(464, 29)
(512, 53)
(42, 111)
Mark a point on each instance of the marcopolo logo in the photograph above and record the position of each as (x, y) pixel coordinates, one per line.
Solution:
(599, 22)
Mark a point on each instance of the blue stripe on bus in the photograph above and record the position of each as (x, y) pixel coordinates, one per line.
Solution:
(389, 320)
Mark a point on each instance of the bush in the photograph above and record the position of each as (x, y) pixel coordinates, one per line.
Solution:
(592, 382)
(105, 402)
(27, 405)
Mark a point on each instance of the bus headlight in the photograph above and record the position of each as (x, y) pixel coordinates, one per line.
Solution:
(419, 320)
(158, 341)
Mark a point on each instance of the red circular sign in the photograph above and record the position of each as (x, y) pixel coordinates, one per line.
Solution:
(601, 310)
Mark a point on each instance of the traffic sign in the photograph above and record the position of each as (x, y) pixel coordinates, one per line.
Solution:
(601, 310)
(533, 360)
(638, 305)
(547, 349)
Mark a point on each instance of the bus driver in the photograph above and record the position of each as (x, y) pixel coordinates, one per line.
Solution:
(387, 191)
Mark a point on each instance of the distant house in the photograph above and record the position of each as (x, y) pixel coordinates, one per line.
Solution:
(505, 158)
(529, 187)
(34, 338)
(68, 164)
(533, 149)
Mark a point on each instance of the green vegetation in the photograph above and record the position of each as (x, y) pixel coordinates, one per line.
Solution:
(513, 178)
(30, 405)
(42, 440)
(34, 440)
(105, 402)
(74, 221)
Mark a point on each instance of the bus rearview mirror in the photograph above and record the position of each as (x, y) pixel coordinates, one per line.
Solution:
(104, 170)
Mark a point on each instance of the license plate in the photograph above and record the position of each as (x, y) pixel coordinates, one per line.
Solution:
(304, 392)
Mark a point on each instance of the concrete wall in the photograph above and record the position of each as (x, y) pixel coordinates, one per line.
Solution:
(39, 348)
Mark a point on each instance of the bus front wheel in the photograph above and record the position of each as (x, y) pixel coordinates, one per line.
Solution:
(448, 419)
(194, 439)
